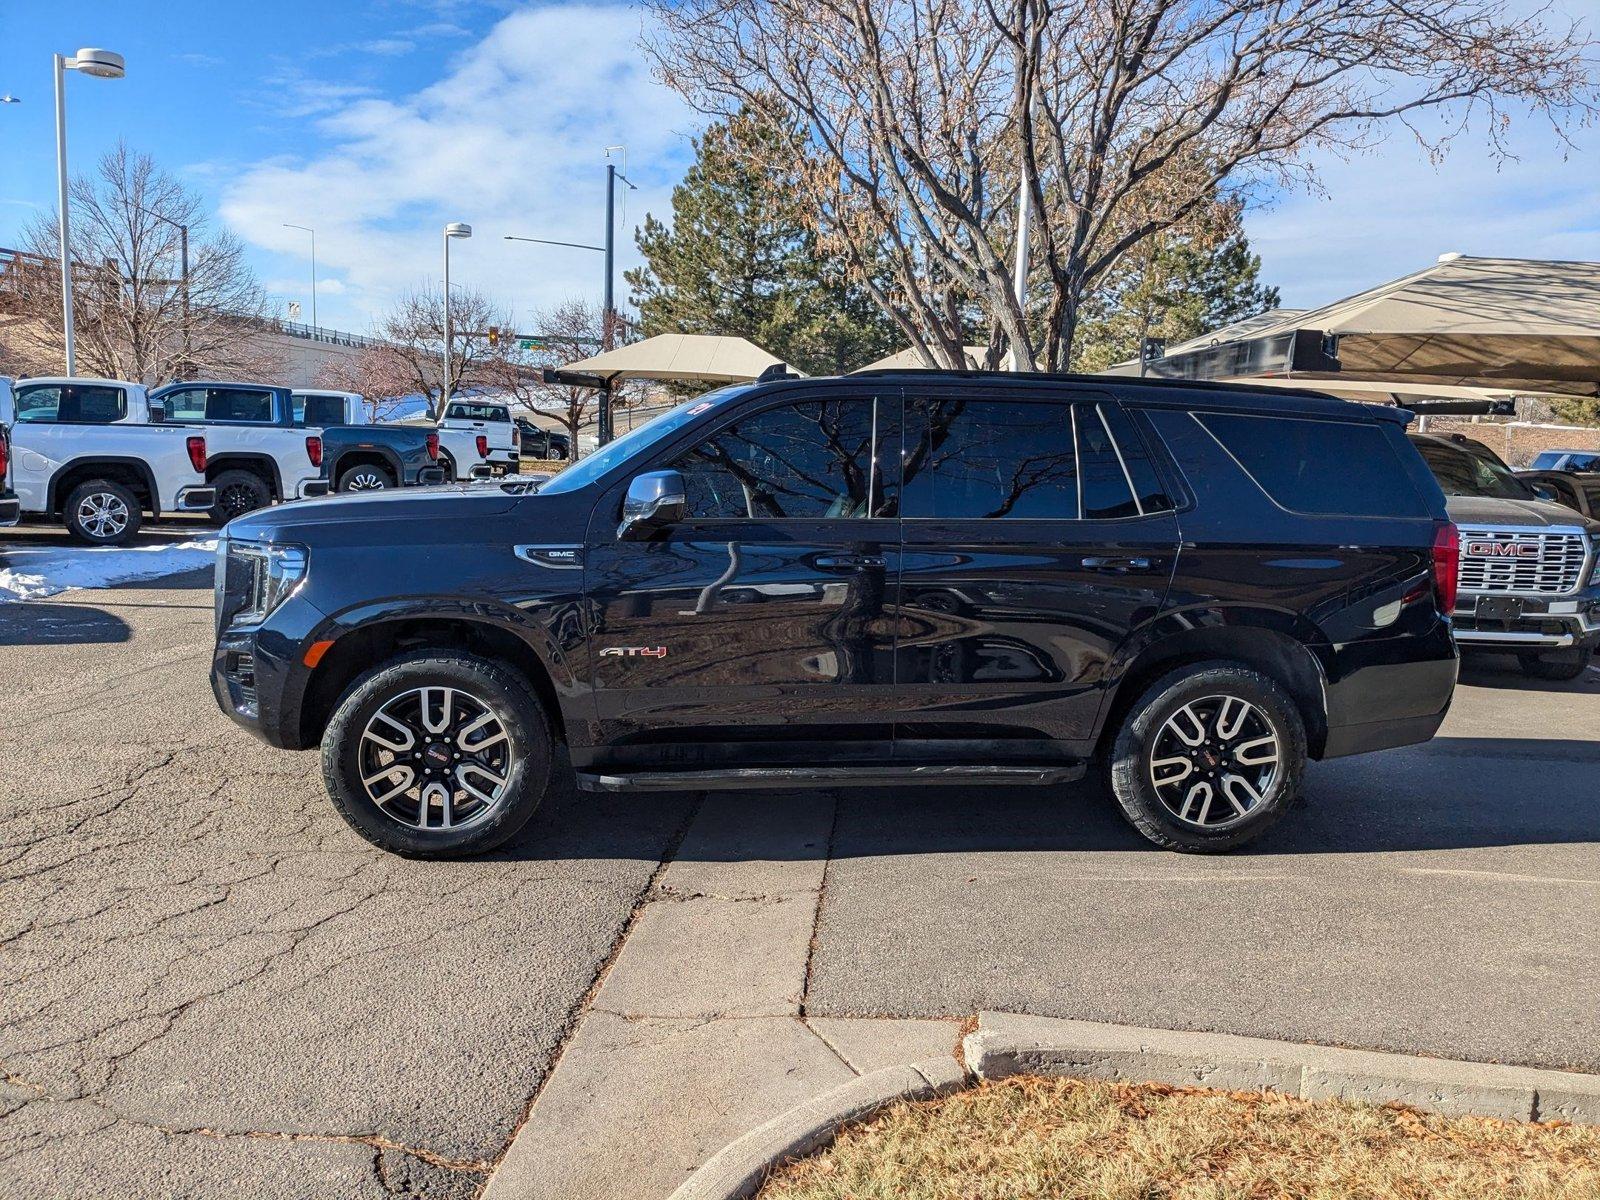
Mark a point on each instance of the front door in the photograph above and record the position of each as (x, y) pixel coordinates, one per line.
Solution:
(1035, 538)
(758, 628)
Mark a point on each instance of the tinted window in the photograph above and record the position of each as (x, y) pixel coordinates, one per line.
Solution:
(1106, 491)
(477, 412)
(319, 410)
(79, 404)
(800, 460)
(989, 459)
(239, 404)
(1146, 480)
(1591, 493)
(1462, 473)
(1335, 467)
(185, 404)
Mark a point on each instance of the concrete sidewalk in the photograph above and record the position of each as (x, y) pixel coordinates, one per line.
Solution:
(697, 1032)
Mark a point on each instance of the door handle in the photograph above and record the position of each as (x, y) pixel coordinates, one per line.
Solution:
(1115, 563)
(847, 562)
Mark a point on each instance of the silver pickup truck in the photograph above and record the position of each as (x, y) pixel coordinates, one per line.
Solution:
(1529, 568)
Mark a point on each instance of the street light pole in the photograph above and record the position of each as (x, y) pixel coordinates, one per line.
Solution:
(456, 229)
(313, 233)
(183, 255)
(102, 64)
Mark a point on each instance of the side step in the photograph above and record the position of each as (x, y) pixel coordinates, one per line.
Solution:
(752, 778)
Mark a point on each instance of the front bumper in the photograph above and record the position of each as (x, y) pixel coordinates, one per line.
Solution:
(196, 499)
(10, 511)
(1536, 622)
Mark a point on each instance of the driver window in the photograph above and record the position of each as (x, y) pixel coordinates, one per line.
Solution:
(812, 460)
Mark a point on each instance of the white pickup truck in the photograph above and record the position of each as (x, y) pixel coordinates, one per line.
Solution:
(72, 459)
(482, 433)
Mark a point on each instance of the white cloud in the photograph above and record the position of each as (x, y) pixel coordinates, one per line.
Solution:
(1392, 211)
(510, 139)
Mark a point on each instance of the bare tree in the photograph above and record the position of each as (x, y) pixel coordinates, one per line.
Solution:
(136, 315)
(1119, 117)
(411, 360)
(564, 333)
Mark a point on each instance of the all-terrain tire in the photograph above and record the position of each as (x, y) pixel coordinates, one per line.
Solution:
(364, 477)
(496, 689)
(102, 512)
(1556, 665)
(1202, 687)
(238, 492)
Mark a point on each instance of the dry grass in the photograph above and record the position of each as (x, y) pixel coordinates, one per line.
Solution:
(1059, 1138)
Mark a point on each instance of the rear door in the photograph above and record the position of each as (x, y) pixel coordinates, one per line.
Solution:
(762, 618)
(1035, 537)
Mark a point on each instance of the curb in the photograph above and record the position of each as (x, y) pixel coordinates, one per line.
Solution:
(738, 1169)
(1008, 1044)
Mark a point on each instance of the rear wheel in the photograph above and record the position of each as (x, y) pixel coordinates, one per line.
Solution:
(1208, 758)
(364, 477)
(437, 754)
(1556, 664)
(238, 492)
(102, 512)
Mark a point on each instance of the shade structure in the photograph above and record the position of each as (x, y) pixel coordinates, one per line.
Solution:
(909, 360)
(679, 356)
(1510, 324)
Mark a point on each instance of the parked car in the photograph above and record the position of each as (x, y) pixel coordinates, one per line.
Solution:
(1529, 579)
(256, 457)
(70, 459)
(1566, 460)
(539, 442)
(963, 579)
(1577, 490)
(363, 456)
(480, 438)
(10, 506)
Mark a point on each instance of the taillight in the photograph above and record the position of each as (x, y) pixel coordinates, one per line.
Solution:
(1446, 565)
(314, 450)
(483, 446)
(433, 446)
(197, 453)
(516, 437)
(5, 456)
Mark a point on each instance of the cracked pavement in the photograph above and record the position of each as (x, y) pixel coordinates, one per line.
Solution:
(212, 987)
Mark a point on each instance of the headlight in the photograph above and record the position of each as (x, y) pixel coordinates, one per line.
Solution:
(257, 577)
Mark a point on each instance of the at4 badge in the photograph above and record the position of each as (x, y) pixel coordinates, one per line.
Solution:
(635, 651)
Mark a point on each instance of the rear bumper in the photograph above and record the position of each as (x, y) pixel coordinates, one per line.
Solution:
(196, 499)
(312, 488)
(428, 476)
(1388, 692)
(1528, 622)
(10, 511)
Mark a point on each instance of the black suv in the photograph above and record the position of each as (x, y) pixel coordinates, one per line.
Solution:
(900, 577)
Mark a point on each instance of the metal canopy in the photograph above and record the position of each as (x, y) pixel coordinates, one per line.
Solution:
(670, 356)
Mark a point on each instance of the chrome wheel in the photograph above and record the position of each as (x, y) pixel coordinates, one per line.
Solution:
(103, 515)
(435, 758)
(1213, 761)
(365, 481)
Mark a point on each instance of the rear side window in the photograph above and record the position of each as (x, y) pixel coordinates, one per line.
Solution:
(1343, 468)
(238, 404)
(477, 412)
(75, 404)
(811, 460)
(989, 459)
(319, 410)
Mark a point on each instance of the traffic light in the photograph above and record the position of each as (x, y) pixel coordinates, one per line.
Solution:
(494, 336)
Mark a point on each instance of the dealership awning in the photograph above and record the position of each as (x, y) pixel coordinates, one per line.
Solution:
(672, 357)
(909, 360)
(1511, 325)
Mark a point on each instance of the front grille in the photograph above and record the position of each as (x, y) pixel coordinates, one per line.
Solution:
(1526, 561)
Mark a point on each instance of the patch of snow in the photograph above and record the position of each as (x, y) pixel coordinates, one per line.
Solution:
(28, 574)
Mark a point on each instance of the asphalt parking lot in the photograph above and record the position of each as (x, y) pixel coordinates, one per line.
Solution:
(214, 989)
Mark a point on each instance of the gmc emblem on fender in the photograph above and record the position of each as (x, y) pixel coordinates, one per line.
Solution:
(1503, 549)
(635, 651)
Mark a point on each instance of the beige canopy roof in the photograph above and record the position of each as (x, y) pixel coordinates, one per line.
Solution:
(1511, 324)
(685, 356)
(909, 360)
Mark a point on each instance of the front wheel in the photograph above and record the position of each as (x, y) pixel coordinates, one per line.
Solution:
(437, 754)
(1208, 758)
(1556, 665)
(102, 512)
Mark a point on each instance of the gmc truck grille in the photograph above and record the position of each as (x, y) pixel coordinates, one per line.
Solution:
(1531, 562)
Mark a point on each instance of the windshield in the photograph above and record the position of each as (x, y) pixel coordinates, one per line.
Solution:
(1462, 473)
(636, 441)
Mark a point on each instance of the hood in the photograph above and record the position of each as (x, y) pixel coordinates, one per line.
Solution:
(1481, 510)
(395, 515)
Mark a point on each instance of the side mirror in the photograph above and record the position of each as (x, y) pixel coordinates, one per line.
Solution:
(655, 500)
(1545, 492)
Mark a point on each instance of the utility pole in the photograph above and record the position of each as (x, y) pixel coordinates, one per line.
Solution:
(456, 229)
(313, 233)
(608, 319)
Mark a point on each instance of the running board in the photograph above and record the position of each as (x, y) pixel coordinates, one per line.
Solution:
(751, 778)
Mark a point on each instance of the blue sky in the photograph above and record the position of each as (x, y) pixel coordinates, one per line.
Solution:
(377, 121)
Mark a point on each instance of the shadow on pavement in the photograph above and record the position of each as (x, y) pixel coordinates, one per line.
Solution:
(1500, 671)
(40, 623)
(1449, 794)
